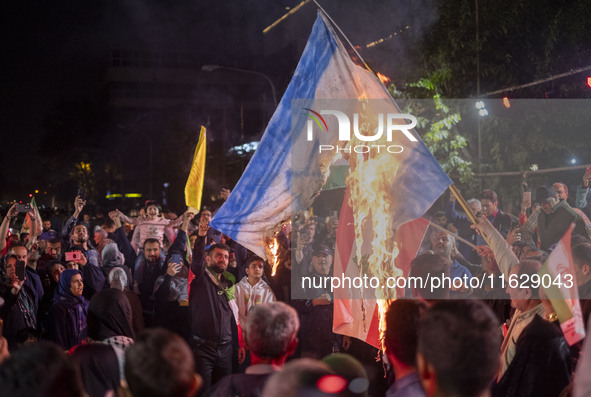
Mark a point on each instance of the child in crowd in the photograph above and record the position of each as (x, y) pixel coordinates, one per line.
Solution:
(152, 225)
(252, 290)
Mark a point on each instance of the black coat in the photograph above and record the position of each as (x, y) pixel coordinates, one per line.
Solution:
(211, 316)
(542, 364)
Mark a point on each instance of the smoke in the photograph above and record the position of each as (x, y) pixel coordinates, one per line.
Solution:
(395, 29)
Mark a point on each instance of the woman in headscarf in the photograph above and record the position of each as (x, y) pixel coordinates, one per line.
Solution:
(109, 321)
(112, 258)
(54, 270)
(67, 316)
(118, 280)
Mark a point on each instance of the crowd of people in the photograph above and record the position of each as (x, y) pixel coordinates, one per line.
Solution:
(160, 305)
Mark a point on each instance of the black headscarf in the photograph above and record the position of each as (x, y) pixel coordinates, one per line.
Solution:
(109, 314)
(99, 368)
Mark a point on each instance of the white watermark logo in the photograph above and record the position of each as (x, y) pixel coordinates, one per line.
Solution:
(386, 124)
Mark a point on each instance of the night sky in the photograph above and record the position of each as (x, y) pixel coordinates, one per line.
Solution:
(56, 51)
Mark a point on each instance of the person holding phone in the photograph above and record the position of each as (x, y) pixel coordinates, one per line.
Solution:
(19, 310)
(80, 258)
(171, 295)
(32, 279)
(12, 213)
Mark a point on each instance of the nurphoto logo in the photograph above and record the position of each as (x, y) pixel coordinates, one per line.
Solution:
(386, 123)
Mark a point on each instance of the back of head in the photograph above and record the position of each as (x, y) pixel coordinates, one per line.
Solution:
(461, 341)
(118, 278)
(402, 330)
(39, 369)
(303, 377)
(109, 314)
(160, 364)
(582, 254)
(111, 256)
(352, 371)
(271, 328)
(529, 267)
(427, 267)
(99, 368)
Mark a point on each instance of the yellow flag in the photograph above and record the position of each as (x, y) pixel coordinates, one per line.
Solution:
(194, 186)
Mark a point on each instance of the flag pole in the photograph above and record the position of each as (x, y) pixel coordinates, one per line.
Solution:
(436, 226)
(343, 34)
(471, 216)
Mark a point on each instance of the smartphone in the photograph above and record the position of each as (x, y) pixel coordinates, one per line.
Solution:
(23, 207)
(73, 256)
(81, 193)
(19, 270)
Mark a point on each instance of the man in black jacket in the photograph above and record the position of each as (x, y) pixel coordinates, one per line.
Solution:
(500, 220)
(535, 356)
(213, 326)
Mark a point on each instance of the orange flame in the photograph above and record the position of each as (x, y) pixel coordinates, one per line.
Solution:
(370, 186)
(273, 254)
(384, 79)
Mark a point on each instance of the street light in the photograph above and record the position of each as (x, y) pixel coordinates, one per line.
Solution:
(211, 68)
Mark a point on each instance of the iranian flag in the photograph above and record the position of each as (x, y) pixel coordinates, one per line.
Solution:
(561, 289)
(356, 315)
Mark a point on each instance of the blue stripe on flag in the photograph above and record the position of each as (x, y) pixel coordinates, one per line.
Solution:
(267, 165)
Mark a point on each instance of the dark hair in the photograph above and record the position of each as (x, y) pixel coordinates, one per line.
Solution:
(154, 203)
(99, 368)
(218, 246)
(159, 363)
(530, 267)
(539, 256)
(427, 267)
(519, 243)
(78, 248)
(461, 340)
(109, 222)
(578, 239)
(150, 241)
(56, 240)
(24, 334)
(18, 244)
(298, 378)
(488, 195)
(582, 254)
(203, 210)
(40, 369)
(53, 263)
(251, 259)
(402, 330)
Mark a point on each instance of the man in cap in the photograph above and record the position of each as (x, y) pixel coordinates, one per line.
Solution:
(555, 218)
(317, 338)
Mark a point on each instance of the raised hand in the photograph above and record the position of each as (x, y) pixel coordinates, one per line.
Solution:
(173, 268)
(225, 193)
